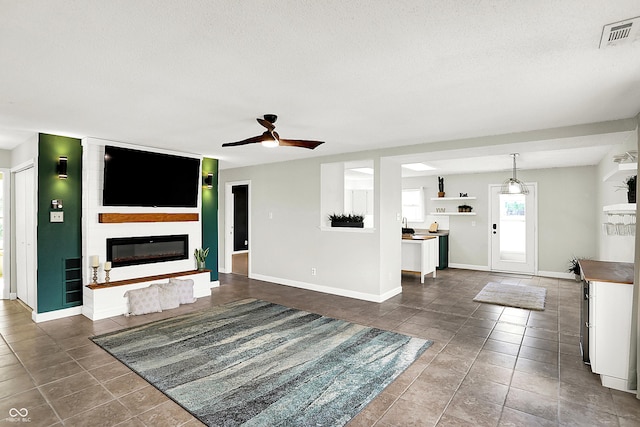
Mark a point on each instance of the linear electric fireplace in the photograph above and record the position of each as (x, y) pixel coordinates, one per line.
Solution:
(124, 251)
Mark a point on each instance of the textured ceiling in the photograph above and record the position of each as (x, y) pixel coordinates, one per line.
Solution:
(191, 75)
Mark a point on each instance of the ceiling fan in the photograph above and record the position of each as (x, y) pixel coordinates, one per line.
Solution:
(270, 138)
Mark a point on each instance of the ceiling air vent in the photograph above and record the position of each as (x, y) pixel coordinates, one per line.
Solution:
(622, 32)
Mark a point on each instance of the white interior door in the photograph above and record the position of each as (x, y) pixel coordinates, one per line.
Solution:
(25, 236)
(513, 231)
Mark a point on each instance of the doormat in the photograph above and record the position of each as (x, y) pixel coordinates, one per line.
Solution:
(520, 296)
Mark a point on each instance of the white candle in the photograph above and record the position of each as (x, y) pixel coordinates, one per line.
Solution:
(107, 265)
(95, 261)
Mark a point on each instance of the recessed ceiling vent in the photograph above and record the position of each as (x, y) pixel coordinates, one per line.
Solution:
(621, 32)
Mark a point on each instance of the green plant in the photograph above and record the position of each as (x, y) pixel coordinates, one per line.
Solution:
(346, 217)
(574, 265)
(201, 254)
(629, 183)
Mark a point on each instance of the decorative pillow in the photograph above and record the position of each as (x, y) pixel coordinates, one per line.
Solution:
(143, 301)
(185, 290)
(169, 295)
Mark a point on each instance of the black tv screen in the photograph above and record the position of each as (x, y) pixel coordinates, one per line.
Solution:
(143, 178)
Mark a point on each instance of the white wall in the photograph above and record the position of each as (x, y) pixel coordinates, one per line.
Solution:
(286, 237)
(286, 247)
(613, 248)
(567, 214)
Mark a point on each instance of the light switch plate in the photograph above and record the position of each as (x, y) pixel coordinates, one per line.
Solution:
(56, 216)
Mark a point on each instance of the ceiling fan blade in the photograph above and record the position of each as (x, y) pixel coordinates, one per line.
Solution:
(267, 124)
(300, 143)
(256, 139)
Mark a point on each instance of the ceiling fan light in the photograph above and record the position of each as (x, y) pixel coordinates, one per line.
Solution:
(270, 143)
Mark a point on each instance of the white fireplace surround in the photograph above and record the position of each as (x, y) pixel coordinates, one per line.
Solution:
(95, 235)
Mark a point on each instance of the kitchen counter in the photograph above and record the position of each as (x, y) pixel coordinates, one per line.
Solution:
(607, 271)
(418, 237)
(425, 231)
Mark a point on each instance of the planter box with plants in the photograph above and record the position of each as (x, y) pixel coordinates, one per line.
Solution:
(344, 220)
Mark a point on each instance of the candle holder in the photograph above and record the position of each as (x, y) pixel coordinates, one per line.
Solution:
(106, 276)
(95, 274)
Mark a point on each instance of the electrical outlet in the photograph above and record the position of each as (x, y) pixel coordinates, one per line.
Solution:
(56, 216)
(473, 223)
(313, 271)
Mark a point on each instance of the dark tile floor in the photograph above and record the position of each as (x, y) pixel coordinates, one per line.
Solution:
(488, 366)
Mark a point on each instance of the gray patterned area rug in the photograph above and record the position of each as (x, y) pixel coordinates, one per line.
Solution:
(521, 296)
(256, 363)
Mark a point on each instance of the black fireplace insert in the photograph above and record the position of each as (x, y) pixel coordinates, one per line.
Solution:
(123, 251)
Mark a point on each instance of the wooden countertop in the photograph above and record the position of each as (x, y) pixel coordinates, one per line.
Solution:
(607, 271)
(417, 237)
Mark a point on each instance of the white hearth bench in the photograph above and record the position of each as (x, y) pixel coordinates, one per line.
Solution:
(102, 300)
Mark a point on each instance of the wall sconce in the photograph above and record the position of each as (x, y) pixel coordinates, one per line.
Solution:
(208, 180)
(62, 167)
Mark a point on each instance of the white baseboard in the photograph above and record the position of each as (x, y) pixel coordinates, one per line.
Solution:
(556, 275)
(552, 274)
(57, 314)
(13, 295)
(330, 290)
(470, 267)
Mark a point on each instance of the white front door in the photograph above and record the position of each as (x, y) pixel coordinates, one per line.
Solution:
(513, 227)
(24, 190)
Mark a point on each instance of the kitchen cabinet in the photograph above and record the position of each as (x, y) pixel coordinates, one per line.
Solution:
(610, 296)
(420, 253)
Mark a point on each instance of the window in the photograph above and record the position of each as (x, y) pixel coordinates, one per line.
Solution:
(347, 187)
(413, 204)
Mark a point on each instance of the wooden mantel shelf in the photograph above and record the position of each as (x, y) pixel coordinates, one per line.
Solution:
(116, 218)
(145, 279)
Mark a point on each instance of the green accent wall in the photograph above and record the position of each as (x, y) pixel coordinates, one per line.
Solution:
(59, 280)
(210, 216)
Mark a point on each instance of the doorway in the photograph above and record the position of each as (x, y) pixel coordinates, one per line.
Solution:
(237, 227)
(513, 229)
(25, 229)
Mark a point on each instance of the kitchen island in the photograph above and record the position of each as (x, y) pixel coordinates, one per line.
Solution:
(606, 321)
(420, 253)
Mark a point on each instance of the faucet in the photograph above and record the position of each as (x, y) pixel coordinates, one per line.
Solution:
(404, 222)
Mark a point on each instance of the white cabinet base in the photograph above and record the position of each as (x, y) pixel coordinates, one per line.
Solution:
(420, 255)
(610, 332)
(616, 383)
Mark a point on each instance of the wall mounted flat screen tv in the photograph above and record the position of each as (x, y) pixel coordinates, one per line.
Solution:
(144, 178)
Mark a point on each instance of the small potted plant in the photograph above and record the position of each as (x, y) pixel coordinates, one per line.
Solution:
(347, 220)
(201, 258)
(574, 267)
(630, 186)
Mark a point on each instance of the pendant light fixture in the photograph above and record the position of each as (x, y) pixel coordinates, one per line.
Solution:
(513, 185)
